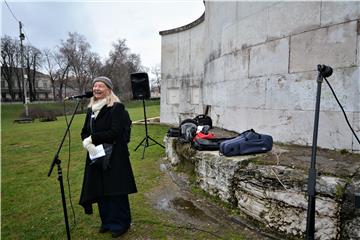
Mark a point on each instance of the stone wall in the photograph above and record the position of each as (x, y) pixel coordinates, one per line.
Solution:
(271, 189)
(255, 64)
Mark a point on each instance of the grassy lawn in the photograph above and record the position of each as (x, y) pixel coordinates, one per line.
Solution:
(31, 205)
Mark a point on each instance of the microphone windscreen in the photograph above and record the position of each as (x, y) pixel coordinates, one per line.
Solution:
(89, 94)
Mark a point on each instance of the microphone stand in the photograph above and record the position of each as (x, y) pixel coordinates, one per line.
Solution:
(310, 223)
(57, 161)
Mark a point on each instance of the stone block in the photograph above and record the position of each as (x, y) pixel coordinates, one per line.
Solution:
(219, 94)
(292, 92)
(356, 127)
(184, 54)
(300, 90)
(207, 93)
(259, 194)
(249, 8)
(269, 58)
(170, 152)
(252, 30)
(358, 50)
(171, 83)
(169, 113)
(334, 12)
(228, 39)
(195, 95)
(212, 48)
(287, 18)
(294, 127)
(345, 82)
(170, 51)
(245, 93)
(173, 96)
(236, 65)
(197, 50)
(215, 173)
(217, 22)
(214, 71)
(333, 46)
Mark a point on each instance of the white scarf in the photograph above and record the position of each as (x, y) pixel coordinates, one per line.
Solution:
(97, 106)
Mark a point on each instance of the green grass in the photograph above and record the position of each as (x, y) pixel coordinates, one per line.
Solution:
(31, 205)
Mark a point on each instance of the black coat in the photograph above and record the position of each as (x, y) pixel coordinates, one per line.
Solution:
(119, 178)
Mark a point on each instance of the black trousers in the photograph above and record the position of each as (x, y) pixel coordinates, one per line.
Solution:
(115, 213)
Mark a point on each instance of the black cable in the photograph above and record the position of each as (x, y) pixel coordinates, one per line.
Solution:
(16, 19)
(342, 109)
(11, 11)
(68, 169)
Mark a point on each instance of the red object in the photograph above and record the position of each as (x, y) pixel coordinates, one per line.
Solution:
(204, 136)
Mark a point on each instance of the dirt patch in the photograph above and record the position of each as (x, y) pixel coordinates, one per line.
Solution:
(195, 212)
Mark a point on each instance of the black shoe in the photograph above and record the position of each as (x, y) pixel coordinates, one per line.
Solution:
(103, 230)
(118, 234)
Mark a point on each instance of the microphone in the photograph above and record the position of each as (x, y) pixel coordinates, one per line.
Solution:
(86, 95)
(325, 71)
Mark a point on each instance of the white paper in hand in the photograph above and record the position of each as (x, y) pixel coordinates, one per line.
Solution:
(100, 152)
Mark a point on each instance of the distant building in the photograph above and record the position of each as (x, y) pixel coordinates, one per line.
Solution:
(42, 82)
(155, 93)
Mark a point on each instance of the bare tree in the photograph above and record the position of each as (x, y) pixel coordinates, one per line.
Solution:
(93, 65)
(62, 73)
(50, 67)
(156, 82)
(8, 67)
(77, 52)
(119, 65)
(33, 58)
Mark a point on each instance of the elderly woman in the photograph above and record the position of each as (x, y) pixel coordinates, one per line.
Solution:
(107, 122)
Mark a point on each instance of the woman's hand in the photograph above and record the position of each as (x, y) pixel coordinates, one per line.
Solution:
(91, 149)
(86, 142)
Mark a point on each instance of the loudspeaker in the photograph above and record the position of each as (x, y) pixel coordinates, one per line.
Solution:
(140, 85)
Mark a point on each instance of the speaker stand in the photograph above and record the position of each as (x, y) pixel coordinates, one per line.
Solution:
(145, 141)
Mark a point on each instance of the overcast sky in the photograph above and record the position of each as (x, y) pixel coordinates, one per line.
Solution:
(101, 22)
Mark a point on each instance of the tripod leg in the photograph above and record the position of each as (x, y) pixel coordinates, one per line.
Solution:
(156, 142)
(140, 143)
(60, 178)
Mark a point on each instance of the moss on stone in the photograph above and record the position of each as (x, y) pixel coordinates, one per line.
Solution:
(339, 192)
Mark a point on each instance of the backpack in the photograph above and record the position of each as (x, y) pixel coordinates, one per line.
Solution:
(203, 120)
(187, 132)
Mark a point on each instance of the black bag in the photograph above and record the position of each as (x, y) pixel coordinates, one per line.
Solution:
(212, 144)
(173, 132)
(248, 142)
(103, 162)
(203, 120)
(189, 120)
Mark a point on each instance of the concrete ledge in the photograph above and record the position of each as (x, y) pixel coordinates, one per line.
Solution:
(185, 27)
(271, 188)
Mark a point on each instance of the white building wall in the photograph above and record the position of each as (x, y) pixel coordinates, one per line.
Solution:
(255, 64)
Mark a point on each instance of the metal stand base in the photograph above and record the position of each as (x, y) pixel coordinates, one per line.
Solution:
(145, 141)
